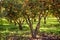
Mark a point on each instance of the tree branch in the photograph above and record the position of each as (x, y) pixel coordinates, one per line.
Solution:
(38, 24)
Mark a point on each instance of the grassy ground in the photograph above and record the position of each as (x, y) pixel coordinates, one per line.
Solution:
(52, 26)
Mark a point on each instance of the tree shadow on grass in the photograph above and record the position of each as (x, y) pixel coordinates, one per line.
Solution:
(7, 27)
(13, 28)
(25, 28)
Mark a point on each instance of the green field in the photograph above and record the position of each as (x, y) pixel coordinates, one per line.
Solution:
(52, 26)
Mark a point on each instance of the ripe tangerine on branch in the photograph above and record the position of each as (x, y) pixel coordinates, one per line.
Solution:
(8, 9)
(10, 4)
(26, 10)
(26, 0)
(10, 14)
(15, 10)
(2, 2)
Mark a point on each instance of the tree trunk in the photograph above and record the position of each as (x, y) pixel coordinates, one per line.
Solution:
(38, 26)
(59, 19)
(31, 28)
(34, 34)
(34, 20)
(32, 31)
(15, 23)
(20, 27)
(45, 20)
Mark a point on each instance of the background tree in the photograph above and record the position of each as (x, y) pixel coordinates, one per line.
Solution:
(12, 12)
(55, 9)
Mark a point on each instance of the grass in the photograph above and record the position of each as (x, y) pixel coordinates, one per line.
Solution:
(51, 26)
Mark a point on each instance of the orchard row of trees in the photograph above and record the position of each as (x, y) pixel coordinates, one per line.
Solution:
(29, 11)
